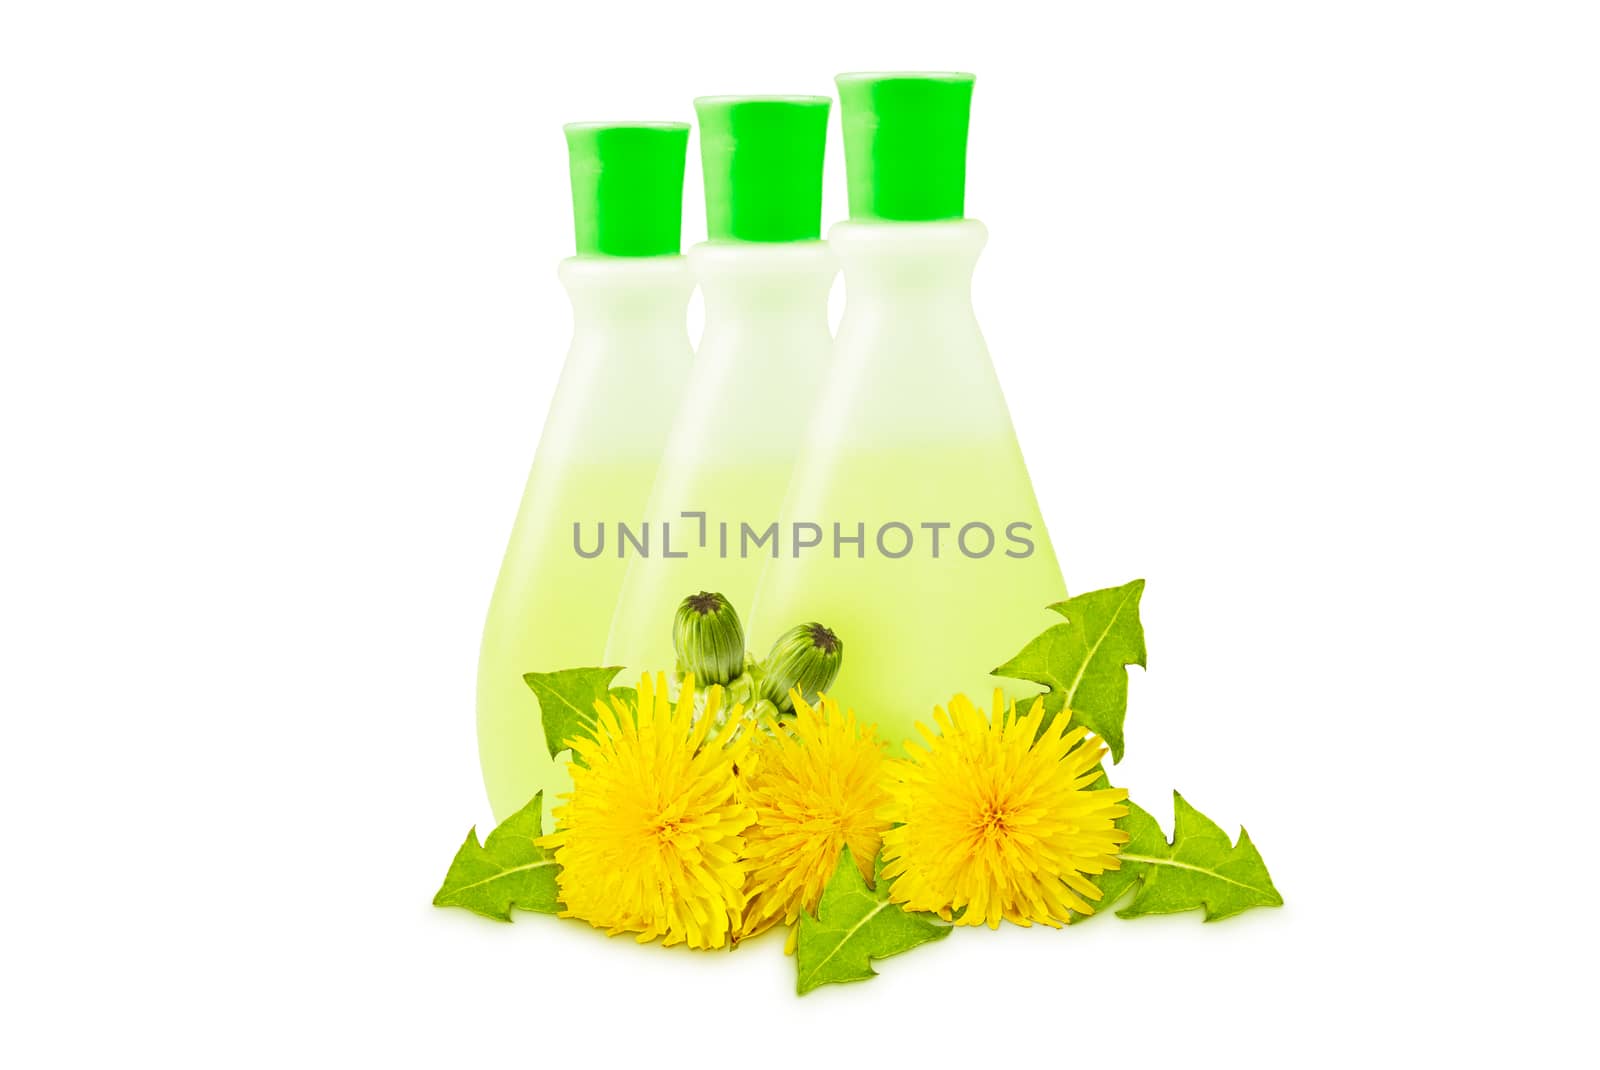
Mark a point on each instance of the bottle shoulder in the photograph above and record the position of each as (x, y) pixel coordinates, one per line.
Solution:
(623, 269)
(908, 258)
(626, 278)
(783, 285)
(950, 237)
(785, 258)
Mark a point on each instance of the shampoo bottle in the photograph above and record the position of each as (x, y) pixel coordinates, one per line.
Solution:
(911, 527)
(597, 456)
(764, 275)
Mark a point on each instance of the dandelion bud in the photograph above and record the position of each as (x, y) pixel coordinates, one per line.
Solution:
(709, 639)
(807, 658)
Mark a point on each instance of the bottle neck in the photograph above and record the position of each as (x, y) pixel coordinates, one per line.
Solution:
(914, 265)
(627, 295)
(775, 284)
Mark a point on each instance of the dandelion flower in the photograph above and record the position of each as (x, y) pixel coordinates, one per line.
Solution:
(816, 785)
(649, 837)
(997, 820)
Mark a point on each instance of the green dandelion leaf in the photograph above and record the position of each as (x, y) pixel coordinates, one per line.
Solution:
(854, 925)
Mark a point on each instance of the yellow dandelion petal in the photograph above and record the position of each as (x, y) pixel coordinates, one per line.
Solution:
(996, 822)
(816, 786)
(649, 839)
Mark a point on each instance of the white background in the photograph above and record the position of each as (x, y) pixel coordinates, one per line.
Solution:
(1296, 306)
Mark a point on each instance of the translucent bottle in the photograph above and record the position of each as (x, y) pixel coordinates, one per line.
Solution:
(764, 275)
(911, 527)
(601, 444)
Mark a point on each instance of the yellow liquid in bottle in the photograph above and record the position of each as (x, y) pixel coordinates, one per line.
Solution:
(597, 458)
(729, 494)
(912, 430)
(919, 628)
(551, 610)
(764, 358)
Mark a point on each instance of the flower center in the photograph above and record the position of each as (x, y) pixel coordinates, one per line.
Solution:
(993, 822)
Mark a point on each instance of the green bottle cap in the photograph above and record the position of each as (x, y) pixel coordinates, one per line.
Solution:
(762, 158)
(905, 144)
(627, 187)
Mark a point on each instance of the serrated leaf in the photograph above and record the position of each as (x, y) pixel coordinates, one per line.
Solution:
(1084, 661)
(854, 925)
(509, 870)
(566, 702)
(1199, 869)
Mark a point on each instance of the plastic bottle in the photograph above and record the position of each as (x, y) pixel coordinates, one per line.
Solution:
(597, 456)
(911, 433)
(764, 274)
